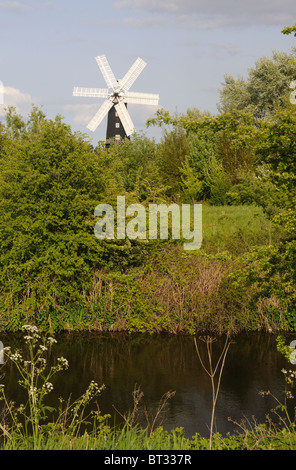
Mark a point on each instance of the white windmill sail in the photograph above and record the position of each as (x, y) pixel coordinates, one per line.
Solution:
(91, 92)
(107, 72)
(125, 118)
(132, 75)
(119, 96)
(99, 116)
(141, 98)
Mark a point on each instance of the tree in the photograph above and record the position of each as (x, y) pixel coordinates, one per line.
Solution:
(229, 138)
(265, 87)
(289, 30)
(278, 149)
(50, 183)
(234, 94)
(273, 269)
(191, 184)
(173, 149)
(132, 168)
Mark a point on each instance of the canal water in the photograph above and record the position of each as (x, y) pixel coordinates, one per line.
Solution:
(161, 363)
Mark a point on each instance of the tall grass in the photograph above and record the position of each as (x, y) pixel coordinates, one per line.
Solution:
(236, 229)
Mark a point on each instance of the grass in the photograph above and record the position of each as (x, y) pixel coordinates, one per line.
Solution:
(257, 437)
(236, 229)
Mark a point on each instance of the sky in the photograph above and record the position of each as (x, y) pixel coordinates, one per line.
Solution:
(48, 47)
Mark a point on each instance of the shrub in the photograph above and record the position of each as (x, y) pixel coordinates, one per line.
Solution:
(51, 181)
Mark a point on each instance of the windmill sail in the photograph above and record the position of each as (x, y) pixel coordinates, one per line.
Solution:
(107, 72)
(91, 92)
(99, 116)
(115, 104)
(141, 98)
(132, 75)
(124, 118)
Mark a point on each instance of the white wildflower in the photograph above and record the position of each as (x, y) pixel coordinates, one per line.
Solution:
(41, 359)
(64, 362)
(30, 328)
(48, 386)
(16, 357)
(51, 340)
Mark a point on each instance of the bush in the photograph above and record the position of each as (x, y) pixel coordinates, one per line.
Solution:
(51, 182)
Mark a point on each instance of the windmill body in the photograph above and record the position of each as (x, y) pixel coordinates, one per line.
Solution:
(116, 98)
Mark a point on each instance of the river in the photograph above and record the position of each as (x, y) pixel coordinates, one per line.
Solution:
(162, 363)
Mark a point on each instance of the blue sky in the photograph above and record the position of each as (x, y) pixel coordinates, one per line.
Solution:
(48, 47)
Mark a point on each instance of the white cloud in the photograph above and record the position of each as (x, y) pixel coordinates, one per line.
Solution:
(13, 6)
(21, 7)
(206, 14)
(82, 113)
(22, 102)
(144, 22)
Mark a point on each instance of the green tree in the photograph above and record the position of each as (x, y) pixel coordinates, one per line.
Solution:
(224, 145)
(50, 183)
(278, 149)
(192, 186)
(289, 30)
(173, 149)
(132, 168)
(265, 87)
(217, 181)
(273, 270)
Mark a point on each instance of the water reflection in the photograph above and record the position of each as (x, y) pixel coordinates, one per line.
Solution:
(161, 363)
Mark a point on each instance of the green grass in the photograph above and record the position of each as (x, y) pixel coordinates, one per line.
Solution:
(236, 229)
(262, 437)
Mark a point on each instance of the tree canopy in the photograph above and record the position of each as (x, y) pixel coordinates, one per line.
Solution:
(264, 89)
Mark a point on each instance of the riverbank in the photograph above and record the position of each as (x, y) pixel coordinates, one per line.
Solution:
(137, 439)
(168, 289)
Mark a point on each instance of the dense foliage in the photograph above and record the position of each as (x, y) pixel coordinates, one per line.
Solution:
(56, 273)
(51, 182)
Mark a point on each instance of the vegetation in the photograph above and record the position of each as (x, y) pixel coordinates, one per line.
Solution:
(56, 275)
(264, 89)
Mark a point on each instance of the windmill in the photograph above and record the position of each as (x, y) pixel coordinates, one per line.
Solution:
(117, 96)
